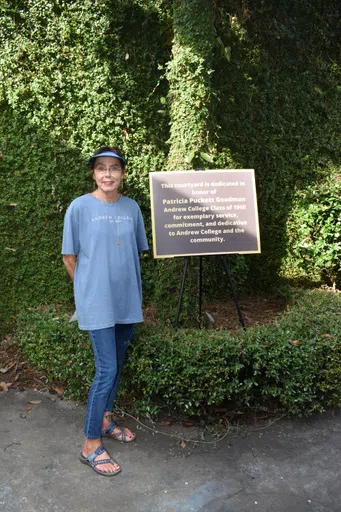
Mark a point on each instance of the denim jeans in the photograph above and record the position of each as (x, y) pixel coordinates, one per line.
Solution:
(110, 347)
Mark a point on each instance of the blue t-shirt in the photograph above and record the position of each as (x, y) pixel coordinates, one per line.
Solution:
(106, 238)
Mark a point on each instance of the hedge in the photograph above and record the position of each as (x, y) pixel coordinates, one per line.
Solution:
(293, 365)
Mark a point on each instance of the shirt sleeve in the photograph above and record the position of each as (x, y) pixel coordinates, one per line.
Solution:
(70, 243)
(141, 238)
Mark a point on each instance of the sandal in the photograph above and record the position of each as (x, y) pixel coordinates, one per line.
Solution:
(118, 436)
(89, 461)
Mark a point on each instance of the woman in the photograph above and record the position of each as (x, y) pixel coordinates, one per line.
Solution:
(103, 234)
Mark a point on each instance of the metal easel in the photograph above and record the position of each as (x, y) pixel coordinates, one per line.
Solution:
(231, 285)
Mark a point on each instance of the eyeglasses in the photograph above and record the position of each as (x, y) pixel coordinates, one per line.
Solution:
(113, 169)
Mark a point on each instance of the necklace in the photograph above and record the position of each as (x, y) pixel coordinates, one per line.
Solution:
(115, 219)
(117, 222)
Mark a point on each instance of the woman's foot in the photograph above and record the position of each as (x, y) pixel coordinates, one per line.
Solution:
(90, 446)
(119, 433)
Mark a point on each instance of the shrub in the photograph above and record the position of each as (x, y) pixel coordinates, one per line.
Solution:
(315, 231)
(292, 365)
(58, 349)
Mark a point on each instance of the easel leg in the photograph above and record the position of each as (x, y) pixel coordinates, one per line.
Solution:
(200, 290)
(181, 291)
(234, 295)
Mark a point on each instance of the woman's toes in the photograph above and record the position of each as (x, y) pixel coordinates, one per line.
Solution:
(114, 468)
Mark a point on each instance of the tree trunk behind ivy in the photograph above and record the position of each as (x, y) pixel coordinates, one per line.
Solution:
(190, 99)
(189, 76)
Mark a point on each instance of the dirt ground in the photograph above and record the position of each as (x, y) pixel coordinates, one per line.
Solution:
(255, 311)
(16, 371)
(223, 314)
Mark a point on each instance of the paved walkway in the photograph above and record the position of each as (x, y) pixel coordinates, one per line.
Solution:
(290, 466)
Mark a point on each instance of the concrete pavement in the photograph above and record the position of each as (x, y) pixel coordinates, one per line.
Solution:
(293, 465)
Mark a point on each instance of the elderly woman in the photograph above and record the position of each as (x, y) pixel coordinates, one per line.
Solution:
(103, 234)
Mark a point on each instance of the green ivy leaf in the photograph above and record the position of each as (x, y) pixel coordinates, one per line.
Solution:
(207, 157)
(227, 51)
(190, 157)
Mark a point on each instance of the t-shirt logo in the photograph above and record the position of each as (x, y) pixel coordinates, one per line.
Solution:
(113, 218)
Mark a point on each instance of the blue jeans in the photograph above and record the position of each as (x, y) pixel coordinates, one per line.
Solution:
(110, 347)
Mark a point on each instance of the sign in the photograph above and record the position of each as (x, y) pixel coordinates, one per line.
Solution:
(204, 212)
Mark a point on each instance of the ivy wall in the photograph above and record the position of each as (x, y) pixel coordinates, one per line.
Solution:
(250, 84)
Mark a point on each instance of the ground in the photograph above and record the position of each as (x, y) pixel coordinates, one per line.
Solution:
(256, 311)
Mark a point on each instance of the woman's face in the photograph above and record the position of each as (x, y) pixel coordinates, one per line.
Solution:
(108, 173)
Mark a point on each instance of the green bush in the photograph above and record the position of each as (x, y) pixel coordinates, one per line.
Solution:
(315, 231)
(58, 349)
(292, 365)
